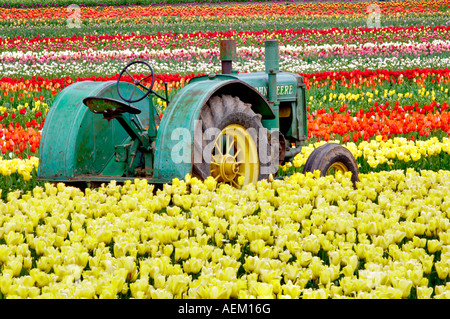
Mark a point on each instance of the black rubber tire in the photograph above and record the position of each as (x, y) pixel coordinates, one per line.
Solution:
(310, 162)
(220, 112)
(326, 155)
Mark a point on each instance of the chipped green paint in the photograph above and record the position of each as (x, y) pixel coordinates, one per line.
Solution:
(77, 143)
(173, 154)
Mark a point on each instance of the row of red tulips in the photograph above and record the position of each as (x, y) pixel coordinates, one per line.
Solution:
(336, 119)
(349, 79)
(413, 121)
(199, 39)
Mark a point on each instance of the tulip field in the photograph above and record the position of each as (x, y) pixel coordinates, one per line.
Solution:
(382, 92)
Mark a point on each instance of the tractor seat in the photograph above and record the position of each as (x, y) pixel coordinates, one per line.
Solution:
(109, 107)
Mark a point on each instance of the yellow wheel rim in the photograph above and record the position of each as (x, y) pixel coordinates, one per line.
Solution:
(335, 167)
(233, 155)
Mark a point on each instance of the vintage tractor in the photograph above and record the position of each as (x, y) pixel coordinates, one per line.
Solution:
(235, 127)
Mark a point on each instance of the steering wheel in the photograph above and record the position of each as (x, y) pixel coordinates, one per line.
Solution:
(136, 83)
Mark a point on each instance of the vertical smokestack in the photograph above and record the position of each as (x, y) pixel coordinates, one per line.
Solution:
(227, 54)
(272, 67)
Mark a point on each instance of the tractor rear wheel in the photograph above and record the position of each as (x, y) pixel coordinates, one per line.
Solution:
(230, 142)
(330, 158)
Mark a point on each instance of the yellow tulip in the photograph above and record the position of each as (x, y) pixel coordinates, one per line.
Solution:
(41, 278)
(416, 277)
(316, 267)
(177, 284)
(404, 285)
(442, 269)
(220, 292)
(326, 276)
(5, 252)
(292, 290)
(433, 245)
(159, 281)
(108, 292)
(192, 265)
(6, 282)
(261, 290)
(15, 265)
(140, 288)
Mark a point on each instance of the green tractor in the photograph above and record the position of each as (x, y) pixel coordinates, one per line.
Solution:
(236, 127)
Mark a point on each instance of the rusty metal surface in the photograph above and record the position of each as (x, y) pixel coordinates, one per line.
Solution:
(78, 145)
(227, 49)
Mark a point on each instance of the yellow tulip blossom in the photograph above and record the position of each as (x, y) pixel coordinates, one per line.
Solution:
(269, 239)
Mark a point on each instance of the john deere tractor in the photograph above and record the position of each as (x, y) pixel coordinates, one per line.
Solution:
(236, 127)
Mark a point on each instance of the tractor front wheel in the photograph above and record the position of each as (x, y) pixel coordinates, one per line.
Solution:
(230, 143)
(330, 158)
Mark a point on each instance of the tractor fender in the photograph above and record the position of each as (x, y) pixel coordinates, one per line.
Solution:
(175, 137)
(77, 144)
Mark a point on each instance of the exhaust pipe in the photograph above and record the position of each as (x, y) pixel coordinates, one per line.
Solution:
(227, 54)
(272, 67)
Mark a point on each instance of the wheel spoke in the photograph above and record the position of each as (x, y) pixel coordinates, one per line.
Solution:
(151, 75)
(132, 77)
(234, 157)
(216, 160)
(142, 86)
(229, 145)
(132, 93)
(218, 146)
(237, 153)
